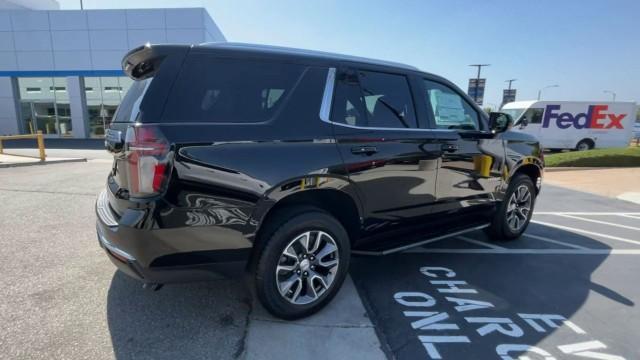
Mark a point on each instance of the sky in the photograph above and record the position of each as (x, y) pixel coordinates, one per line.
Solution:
(585, 47)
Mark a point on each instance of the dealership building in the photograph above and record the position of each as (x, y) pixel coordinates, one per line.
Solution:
(60, 69)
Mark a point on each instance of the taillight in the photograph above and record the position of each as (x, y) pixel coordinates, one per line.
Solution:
(148, 160)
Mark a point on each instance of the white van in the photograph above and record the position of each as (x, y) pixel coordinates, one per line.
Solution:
(580, 125)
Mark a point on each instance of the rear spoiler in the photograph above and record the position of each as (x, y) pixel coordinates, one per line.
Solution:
(143, 61)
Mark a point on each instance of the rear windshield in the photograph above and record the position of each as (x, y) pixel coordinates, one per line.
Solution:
(217, 90)
(130, 105)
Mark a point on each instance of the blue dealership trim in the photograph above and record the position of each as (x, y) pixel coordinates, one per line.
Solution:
(61, 73)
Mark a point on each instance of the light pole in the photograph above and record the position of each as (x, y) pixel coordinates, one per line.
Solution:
(612, 93)
(510, 81)
(546, 87)
(475, 94)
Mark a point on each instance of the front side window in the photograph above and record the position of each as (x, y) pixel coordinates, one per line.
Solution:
(450, 109)
(219, 90)
(532, 116)
(373, 99)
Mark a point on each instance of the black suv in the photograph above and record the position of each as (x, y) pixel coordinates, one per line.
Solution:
(282, 163)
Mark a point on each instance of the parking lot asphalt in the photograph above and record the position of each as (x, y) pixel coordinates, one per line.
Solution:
(567, 289)
(63, 299)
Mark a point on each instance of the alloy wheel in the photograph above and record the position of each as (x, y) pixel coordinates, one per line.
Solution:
(519, 208)
(307, 267)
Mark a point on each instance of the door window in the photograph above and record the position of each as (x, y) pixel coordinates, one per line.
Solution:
(348, 104)
(533, 116)
(450, 110)
(373, 99)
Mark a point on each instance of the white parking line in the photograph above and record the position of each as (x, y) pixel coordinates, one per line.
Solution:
(481, 243)
(631, 216)
(538, 237)
(572, 229)
(586, 213)
(530, 251)
(600, 222)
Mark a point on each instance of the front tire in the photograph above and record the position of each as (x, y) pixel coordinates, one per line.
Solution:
(303, 263)
(514, 213)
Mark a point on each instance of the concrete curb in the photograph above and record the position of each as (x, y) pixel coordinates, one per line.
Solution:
(46, 162)
(633, 197)
(342, 330)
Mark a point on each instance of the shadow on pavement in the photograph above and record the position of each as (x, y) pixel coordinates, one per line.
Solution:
(186, 321)
(397, 293)
(611, 294)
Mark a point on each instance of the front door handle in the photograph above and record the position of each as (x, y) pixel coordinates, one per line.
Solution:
(364, 150)
(449, 147)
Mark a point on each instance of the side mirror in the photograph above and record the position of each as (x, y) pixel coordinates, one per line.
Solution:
(499, 122)
(524, 122)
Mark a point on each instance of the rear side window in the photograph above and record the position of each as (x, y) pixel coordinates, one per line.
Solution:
(348, 103)
(217, 90)
(373, 99)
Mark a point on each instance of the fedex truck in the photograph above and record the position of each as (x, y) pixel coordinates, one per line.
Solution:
(580, 125)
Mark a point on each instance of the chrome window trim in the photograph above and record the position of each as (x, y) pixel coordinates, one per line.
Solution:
(327, 96)
(391, 129)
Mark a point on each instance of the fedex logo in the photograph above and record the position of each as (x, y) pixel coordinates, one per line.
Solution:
(596, 117)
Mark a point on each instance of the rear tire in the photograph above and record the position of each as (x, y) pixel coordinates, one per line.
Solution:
(303, 263)
(514, 213)
(584, 145)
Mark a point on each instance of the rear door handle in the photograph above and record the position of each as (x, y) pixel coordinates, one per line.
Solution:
(449, 147)
(364, 150)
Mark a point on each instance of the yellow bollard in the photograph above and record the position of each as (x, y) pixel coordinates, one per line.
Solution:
(482, 165)
(40, 139)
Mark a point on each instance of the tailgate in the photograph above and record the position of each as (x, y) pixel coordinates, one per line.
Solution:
(154, 69)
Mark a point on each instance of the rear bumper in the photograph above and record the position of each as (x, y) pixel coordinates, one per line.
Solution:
(167, 255)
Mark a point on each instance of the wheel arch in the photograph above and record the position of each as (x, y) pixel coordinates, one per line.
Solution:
(338, 199)
(532, 170)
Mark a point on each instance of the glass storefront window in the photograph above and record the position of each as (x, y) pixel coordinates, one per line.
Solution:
(44, 104)
(104, 94)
